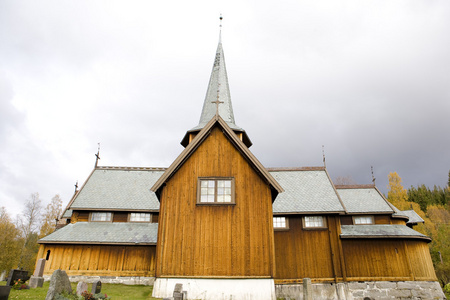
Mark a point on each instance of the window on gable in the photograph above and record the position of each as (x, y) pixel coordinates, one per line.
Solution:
(140, 217)
(310, 222)
(101, 217)
(215, 190)
(280, 223)
(363, 220)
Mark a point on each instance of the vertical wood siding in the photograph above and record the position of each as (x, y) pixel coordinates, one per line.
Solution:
(100, 260)
(215, 240)
(387, 259)
(307, 253)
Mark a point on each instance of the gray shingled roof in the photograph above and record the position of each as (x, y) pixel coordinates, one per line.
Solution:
(363, 200)
(305, 191)
(119, 189)
(413, 216)
(380, 231)
(104, 233)
(67, 213)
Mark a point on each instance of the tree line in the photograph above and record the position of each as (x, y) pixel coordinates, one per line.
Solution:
(18, 241)
(433, 206)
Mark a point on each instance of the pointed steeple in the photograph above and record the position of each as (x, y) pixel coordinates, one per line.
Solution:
(218, 100)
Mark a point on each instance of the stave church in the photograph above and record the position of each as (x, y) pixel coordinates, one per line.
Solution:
(225, 227)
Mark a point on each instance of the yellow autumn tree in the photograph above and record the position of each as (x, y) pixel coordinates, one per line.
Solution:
(52, 212)
(397, 194)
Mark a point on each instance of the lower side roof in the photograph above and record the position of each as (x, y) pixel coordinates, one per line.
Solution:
(380, 231)
(104, 233)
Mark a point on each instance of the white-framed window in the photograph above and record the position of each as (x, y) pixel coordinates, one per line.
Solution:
(215, 190)
(101, 217)
(363, 220)
(314, 222)
(280, 223)
(140, 217)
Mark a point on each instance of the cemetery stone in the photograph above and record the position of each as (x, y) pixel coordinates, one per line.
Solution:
(96, 287)
(81, 287)
(3, 276)
(17, 274)
(177, 292)
(37, 280)
(59, 282)
(4, 292)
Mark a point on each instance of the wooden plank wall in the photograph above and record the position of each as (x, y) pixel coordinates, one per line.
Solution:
(307, 253)
(221, 240)
(100, 260)
(420, 258)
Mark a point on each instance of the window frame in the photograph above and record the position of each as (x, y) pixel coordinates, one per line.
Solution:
(233, 191)
(91, 215)
(363, 216)
(139, 212)
(323, 227)
(286, 222)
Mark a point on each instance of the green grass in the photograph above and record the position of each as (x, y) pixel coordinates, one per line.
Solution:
(115, 291)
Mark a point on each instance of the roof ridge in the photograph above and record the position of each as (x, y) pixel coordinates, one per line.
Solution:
(275, 169)
(354, 186)
(131, 168)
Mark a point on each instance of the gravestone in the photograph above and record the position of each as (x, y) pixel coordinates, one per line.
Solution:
(59, 282)
(3, 276)
(307, 289)
(37, 280)
(96, 287)
(4, 292)
(178, 292)
(17, 274)
(81, 287)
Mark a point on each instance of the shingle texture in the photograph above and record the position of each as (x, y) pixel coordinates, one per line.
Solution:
(413, 216)
(305, 192)
(363, 200)
(105, 233)
(218, 89)
(119, 189)
(379, 231)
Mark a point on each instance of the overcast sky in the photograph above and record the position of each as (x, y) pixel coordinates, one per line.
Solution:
(369, 80)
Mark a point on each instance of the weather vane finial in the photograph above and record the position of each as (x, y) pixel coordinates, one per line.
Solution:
(97, 156)
(323, 155)
(220, 28)
(373, 177)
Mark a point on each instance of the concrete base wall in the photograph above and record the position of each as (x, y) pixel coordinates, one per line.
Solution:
(110, 279)
(383, 290)
(217, 289)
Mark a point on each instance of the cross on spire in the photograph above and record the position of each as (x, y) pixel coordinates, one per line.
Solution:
(217, 102)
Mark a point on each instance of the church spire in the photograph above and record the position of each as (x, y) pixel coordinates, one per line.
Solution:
(218, 100)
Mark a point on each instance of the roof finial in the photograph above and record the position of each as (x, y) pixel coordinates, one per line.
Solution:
(76, 187)
(373, 177)
(220, 28)
(323, 155)
(97, 156)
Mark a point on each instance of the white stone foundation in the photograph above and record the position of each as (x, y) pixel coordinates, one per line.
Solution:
(217, 289)
(412, 290)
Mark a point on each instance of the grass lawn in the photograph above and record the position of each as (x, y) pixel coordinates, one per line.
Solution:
(115, 291)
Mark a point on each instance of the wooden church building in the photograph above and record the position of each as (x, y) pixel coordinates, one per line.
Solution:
(226, 227)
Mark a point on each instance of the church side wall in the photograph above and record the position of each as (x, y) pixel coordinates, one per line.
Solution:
(303, 253)
(223, 241)
(387, 259)
(100, 260)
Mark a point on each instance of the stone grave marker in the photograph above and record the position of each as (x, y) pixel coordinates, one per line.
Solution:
(59, 282)
(178, 292)
(96, 287)
(3, 276)
(81, 287)
(37, 279)
(17, 274)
